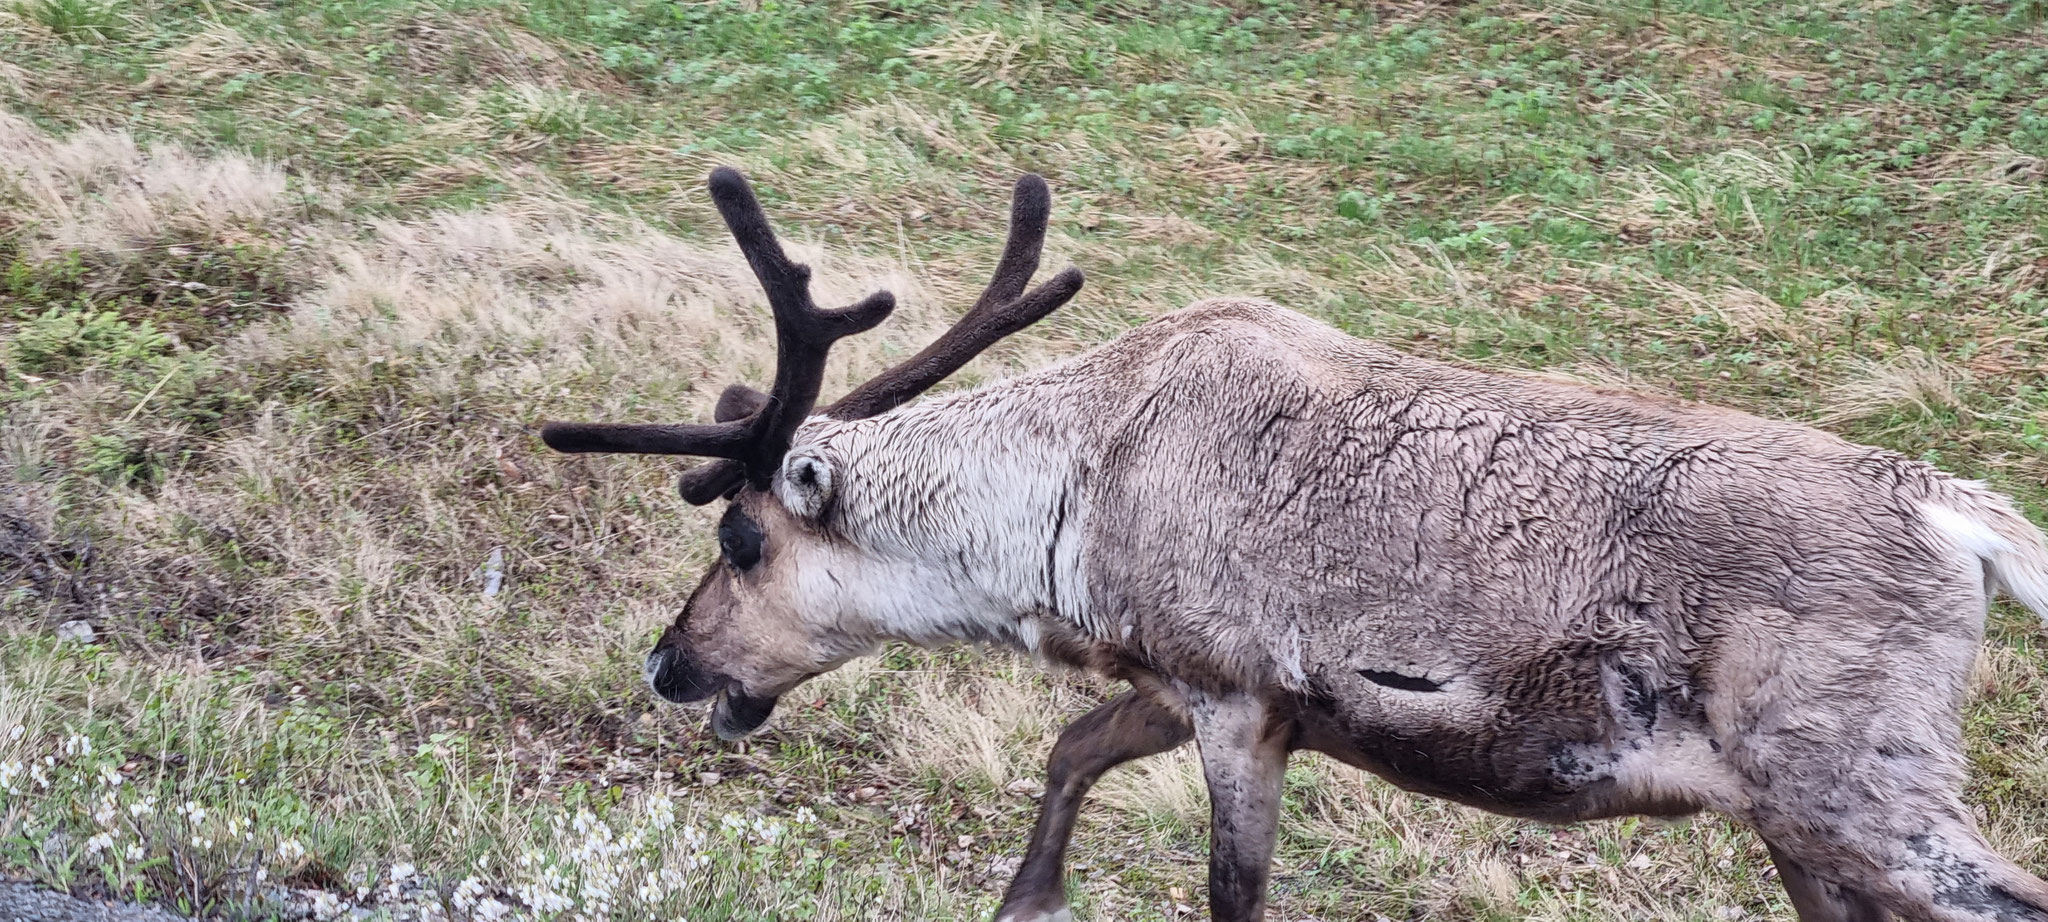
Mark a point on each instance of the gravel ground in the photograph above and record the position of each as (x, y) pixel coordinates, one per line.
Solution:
(21, 902)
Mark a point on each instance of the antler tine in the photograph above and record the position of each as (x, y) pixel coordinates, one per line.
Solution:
(804, 332)
(707, 482)
(738, 401)
(716, 440)
(1030, 209)
(999, 312)
(787, 284)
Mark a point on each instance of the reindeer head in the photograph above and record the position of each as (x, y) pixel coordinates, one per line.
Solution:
(768, 615)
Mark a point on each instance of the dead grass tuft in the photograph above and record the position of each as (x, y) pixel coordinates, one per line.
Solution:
(1753, 314)
(1031, 45)
(99, 192)
(985, 732)
(1166, 789)
(1650, 204)
(1915, 382)
(483, 50)
(220, 52)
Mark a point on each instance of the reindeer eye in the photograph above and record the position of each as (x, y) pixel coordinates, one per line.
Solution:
(739, 539)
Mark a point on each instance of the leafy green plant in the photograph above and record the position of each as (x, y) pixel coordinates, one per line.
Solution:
(78, 21)
(65, 339)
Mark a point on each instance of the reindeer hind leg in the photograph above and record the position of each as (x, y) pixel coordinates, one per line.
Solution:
(1817, 900)
(1849, 752)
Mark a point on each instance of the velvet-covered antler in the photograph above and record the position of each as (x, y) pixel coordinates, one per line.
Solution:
(753, 429)
(804, 334)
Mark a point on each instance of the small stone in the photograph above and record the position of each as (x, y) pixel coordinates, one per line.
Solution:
(494, 572)
(708, 779)
(76, 632)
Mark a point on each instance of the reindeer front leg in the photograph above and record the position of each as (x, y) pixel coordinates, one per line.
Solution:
(1130, 726)
(1244, 757)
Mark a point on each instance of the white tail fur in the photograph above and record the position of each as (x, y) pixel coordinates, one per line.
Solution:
(2014, 551)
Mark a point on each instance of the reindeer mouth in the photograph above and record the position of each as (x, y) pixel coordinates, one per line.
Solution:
(736, 714)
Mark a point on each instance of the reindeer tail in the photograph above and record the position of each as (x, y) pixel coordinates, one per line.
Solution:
(1984, 523)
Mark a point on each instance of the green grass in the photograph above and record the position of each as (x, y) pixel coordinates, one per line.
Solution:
(265, 418)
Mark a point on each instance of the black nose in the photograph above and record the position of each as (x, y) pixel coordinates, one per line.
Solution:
(677, 678)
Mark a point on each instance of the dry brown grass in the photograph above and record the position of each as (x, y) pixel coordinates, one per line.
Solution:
(1914, 382)
(100, 192)
(1031, 45)
(981, 731)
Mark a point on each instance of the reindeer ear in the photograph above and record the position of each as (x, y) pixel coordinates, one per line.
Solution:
(805, 483)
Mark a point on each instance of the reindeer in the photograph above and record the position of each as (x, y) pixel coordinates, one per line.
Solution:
(1544, 600)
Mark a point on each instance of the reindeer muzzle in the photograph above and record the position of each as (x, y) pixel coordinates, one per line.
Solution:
(677, 679)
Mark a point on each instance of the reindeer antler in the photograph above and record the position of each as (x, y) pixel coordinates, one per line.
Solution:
(999, 312)
(753, 430)
(804, 333)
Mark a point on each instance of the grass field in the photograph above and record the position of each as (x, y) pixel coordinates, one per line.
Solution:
(284, 288)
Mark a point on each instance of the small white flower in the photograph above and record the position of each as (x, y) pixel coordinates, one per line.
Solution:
(327, 905)
(110, 776)
(804, 816)
(16, 732)
(99, 843)
(290, 850)
(143, 807)
(467, 892)
(78, 745)
(661, 811)
(136, 852)
(401, 872)
(490, 910)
